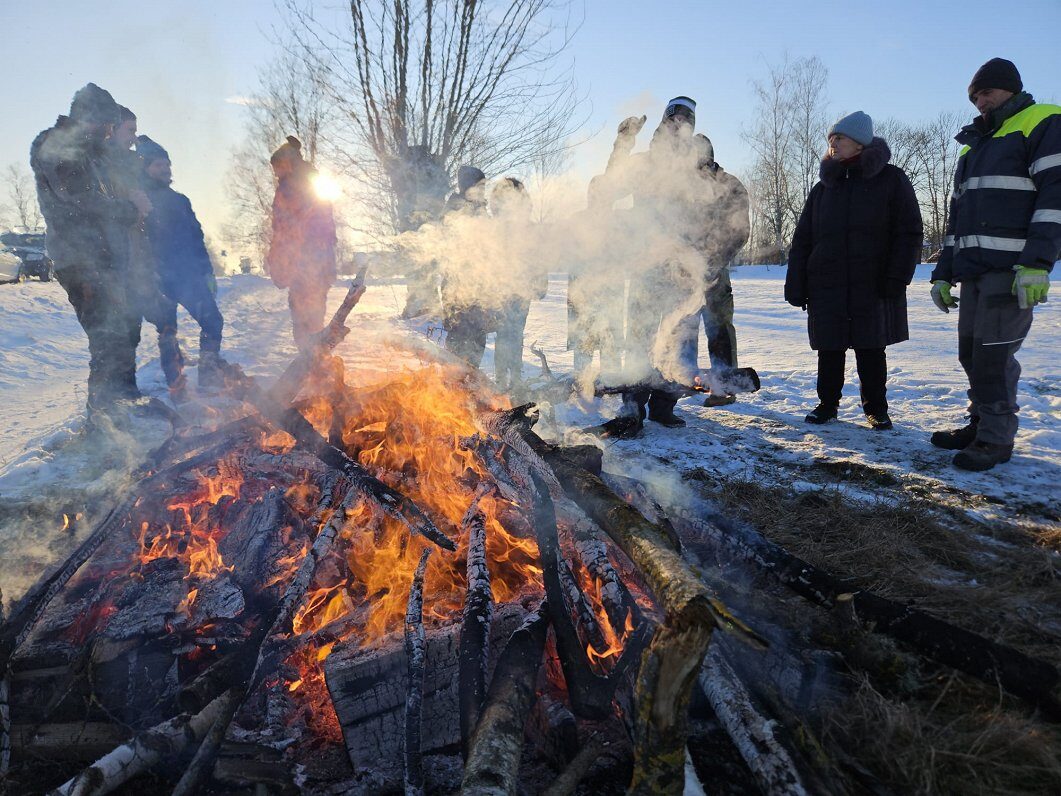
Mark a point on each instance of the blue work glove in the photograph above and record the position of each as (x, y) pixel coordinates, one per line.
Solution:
(941, 296)
(1030, 286)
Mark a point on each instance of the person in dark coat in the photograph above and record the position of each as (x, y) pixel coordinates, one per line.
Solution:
(301, 254)
(130, 244)
(466, 318)
(81, 209)
(853, 254)
(183, 265)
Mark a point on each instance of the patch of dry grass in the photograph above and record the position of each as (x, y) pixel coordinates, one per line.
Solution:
(919, 728)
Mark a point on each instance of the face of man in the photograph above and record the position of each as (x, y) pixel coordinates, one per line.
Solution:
(124, 134)
(160, 170)
(988, 99)
(841, 147)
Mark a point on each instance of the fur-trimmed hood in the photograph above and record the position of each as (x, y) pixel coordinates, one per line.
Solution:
(871, 162)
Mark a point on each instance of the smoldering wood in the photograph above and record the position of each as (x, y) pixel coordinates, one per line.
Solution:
(368, 687)
(615, 597)
(143, 751)
(493, 761)
(731, 380)
(567, 782)
(578, 604)
(476, 620)
(772, 764)
(555, 728)
(415, 653)
(75, 740)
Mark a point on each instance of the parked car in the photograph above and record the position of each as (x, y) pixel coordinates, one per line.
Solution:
(10, 267)
(33, 258)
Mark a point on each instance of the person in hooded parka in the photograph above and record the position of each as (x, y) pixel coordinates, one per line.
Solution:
(81, 209)
(853, 254)
(301, 256)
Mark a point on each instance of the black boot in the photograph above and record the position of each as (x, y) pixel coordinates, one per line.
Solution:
(879, 422)
(661, 410)
(980, 456)
(958, 439)
(821, 414)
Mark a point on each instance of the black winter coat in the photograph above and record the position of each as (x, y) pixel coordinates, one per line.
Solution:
(854, 252)
(176, 238)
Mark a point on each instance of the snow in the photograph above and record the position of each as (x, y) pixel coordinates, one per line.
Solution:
(43, 368)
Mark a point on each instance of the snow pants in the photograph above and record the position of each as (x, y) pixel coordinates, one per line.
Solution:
(508, 347)
(991, 328)
(872, 364)
(466, 330)
(103, 307)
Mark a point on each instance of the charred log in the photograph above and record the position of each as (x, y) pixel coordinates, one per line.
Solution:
(497, 744)
(475, 624)
(415, 652)
(576, 770)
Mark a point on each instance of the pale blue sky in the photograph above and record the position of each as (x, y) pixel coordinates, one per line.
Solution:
(176, 64)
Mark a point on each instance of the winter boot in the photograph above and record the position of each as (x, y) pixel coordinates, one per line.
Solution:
(959, 438)
(980, 456)
(821, 414)
(622, 427)
(879, 422)
(661, 410)
(214, 372)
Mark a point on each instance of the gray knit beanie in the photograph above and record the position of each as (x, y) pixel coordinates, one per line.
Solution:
(857, 126)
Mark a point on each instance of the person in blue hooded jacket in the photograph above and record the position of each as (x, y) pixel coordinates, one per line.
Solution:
(184, 267)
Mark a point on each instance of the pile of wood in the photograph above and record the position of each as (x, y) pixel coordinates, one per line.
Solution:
(126, 663)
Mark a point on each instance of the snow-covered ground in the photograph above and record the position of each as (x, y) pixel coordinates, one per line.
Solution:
(43, 367)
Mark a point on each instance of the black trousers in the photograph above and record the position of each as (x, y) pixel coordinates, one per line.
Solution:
(872, 367)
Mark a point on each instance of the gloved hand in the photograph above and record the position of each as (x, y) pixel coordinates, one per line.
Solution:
(211, 283)
(941, 296)
(1030, 286)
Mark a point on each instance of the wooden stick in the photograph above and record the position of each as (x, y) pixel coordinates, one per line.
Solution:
(474, 652)
(416, 654)
(751, 732)
(138, 755)
(578, 603)
(492, 768)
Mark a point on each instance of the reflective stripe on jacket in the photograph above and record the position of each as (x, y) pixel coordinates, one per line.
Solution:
(1006, 206)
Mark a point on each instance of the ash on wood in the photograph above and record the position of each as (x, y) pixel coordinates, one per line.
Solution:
(369, 686)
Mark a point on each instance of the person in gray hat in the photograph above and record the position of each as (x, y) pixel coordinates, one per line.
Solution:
(1003, 237)
(82, 209)
(853, 253)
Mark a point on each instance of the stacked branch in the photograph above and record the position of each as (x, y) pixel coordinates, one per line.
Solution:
(474, 653)
(416, 653)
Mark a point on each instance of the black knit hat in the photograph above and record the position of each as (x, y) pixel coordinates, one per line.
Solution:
(467, 176)
(996, 73)
(149, 151)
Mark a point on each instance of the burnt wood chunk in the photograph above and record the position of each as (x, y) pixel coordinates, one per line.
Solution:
(368, 687)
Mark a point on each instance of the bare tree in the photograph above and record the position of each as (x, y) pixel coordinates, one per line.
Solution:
(21, 209)
(423, 86)
(788, 142)
(937, 154)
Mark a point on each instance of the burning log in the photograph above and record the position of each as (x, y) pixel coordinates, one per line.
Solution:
(591, 695)
(493, 761)
(415, 643)
(475, 627)
(576, 601)
(616, 599)
(267, 658)
(167, 740)
(308, 438)
(556, 730)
